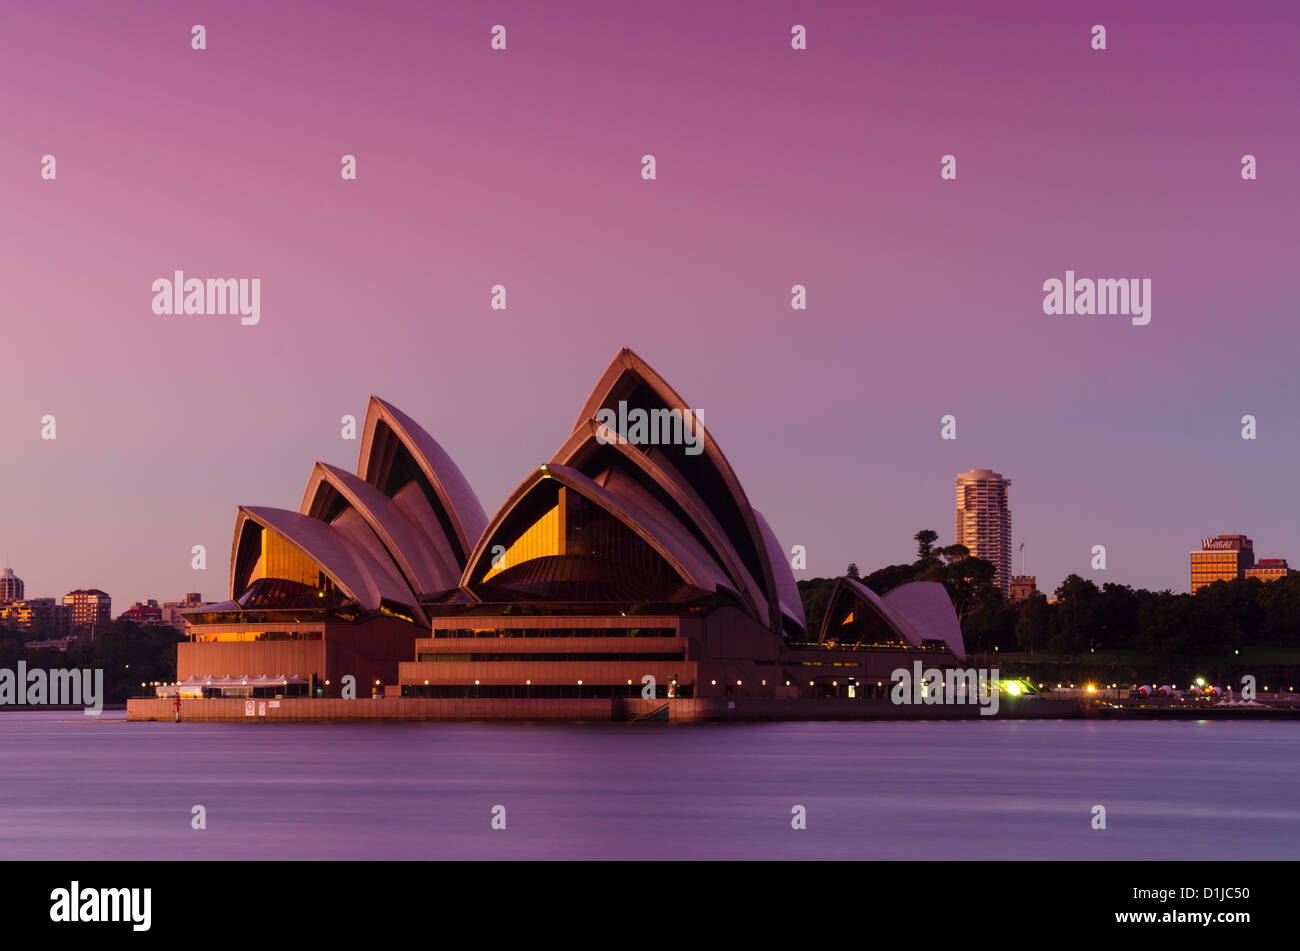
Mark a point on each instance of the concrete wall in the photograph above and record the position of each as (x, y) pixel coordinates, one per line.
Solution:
(414, 708)
(235, 658)
(369, 651)
(394, 708)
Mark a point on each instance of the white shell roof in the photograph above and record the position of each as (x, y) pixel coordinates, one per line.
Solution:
(357, 573)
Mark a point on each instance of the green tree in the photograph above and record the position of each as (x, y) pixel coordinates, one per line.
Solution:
(970, 583)
(992, 623)
(925, 540)
(129, 654)
(884, 580)
(1167, 627)
(1032, 624)
(1116, 617)
(1230, 612)
(1073, 626)
(1279, 609)
(815, 594)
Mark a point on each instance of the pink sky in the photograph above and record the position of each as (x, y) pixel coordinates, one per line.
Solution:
(775, 167)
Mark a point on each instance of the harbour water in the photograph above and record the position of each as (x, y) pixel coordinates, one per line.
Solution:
(77, 787)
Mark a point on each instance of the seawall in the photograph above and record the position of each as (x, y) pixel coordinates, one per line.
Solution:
(679, 710)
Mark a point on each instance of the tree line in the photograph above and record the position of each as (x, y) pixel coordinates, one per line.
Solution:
(1083, 617)
(129, 653)
(1219, 618)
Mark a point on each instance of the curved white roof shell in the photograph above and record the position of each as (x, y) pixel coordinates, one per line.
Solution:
(673, 544)
(426, 562)
(454, 494)
(790, 602)
(626, 374)
(913, 611)
(580, 451)
(356, 572)
(929, 610)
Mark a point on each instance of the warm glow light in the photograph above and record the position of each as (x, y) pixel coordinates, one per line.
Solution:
(1091, 689)
(713, 682)
(737, 683)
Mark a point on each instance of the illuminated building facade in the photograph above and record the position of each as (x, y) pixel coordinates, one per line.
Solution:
(11, 586)
(90, 609)
(1023, 587)
(620, 568)
(983, 521)
(619, 561)
(333, 590)
(1268, 569)
(1223, 558)
(36, 616)
(145, 613)
(172, 611)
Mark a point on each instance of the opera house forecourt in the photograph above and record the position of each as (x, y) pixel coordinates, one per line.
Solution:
(627, 577)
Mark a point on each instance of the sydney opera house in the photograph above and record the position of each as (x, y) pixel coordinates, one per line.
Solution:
(622, 568)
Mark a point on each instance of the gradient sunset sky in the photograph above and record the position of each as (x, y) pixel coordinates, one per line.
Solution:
(775, 167)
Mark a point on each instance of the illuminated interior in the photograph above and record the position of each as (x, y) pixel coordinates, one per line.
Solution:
(854, 623)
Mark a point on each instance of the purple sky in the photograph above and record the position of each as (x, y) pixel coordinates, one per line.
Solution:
(775, 167)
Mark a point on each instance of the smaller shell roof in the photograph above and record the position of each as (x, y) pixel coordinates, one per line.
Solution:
(917, 612)
(454, 492)
(359, 575)
(672, 542)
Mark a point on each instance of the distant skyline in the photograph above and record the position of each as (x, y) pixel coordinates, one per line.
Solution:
(774, 168)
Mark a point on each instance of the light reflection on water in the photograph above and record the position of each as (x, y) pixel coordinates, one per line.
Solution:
(74, 788)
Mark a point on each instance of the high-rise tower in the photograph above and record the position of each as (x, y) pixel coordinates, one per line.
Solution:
(983, 521)
(11, 586)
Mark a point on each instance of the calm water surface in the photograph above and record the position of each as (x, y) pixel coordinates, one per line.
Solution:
(78, 788)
